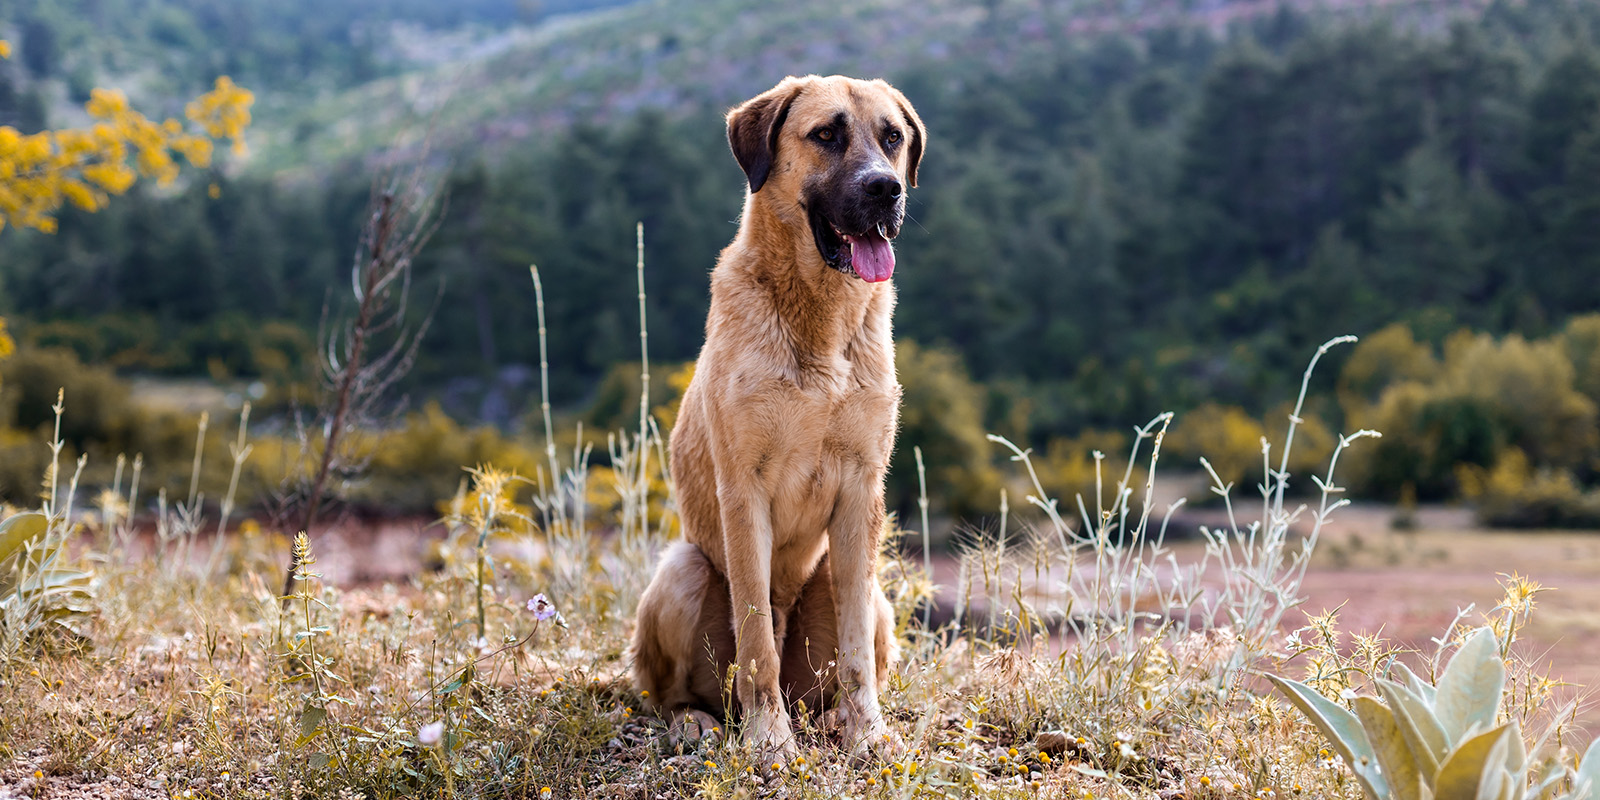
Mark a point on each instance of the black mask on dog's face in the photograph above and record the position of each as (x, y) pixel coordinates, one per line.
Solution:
(848, 150)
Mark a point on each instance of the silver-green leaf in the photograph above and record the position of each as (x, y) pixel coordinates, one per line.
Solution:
(1418, 686)
(1463, 772)
(1418, 725)
(1342, 730)
(1586, 783)
(1469, 690)
(1390, 746)
(19, 529)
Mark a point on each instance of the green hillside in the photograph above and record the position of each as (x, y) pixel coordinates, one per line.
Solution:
(1122, 211)
(525, 83)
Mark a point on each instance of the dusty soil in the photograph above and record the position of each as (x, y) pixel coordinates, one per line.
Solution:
(1410, 584)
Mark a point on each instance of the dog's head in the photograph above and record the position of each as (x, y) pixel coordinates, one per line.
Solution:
(841, 150)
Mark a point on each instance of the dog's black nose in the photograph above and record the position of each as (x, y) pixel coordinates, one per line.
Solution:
(882, 186)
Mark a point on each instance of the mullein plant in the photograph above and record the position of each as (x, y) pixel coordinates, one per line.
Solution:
(42, 588)
(1447, 741)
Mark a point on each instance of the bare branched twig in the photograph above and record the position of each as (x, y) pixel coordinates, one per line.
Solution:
(365, 357)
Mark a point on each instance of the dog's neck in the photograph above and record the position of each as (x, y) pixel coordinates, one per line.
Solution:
(822, 309)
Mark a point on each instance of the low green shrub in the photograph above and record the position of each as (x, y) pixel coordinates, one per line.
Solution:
(1468, 407)
(941, 411)
(1514, 494)
(33, 378)
(422, 461)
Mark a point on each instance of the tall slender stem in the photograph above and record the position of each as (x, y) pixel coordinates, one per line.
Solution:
(644, 391)
(927, 549)
(559, 513)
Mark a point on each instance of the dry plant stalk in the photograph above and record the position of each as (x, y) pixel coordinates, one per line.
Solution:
(358, 365)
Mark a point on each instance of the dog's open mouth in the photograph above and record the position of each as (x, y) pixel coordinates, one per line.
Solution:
(868, 255)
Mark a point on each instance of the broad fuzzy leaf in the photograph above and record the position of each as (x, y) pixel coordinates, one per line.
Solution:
(1586, 784)
(1417, 685)
(311, 720)
(1468, 766)
(18, 529)
(1342, 730)
(1516, 750)
(1418, 725)
(1400, 766)
(1469, 689)
(1544, 786)
(1500, 787)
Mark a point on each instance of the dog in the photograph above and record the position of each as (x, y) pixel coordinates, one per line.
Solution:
(784, 435)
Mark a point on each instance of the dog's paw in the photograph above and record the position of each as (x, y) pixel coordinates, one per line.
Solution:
(771, 734)
(689, 727)
(865, 736)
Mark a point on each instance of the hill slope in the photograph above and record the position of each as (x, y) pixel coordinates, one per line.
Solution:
(523, 81)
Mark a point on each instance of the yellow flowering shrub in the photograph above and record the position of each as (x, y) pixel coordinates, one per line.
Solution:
(7, 345)
(41, 172)
(1516, 494)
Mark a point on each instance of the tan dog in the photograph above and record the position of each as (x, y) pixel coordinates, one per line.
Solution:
(784, 435)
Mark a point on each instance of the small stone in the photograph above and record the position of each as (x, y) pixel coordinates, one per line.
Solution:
(1051, 742)
(682, 763)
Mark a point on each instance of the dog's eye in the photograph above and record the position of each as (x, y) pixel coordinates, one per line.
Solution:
(824, 134)
(892, 138)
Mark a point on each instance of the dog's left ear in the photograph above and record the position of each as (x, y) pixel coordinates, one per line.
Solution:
(919, 133)
(753, 130)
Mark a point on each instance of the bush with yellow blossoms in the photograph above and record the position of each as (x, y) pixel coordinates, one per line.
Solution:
(41, 172)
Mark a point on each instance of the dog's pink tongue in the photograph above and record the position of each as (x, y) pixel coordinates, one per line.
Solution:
(872, 257)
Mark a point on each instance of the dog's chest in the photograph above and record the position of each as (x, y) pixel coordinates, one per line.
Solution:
(820, 447)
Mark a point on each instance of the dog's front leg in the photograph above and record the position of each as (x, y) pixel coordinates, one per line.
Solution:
(747, 542)
(853, 552)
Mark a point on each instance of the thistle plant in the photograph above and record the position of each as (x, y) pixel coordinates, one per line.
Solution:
(1152, 638)
(630, 460)
(239, 449)
(300, 651)
(178, 525)
(562, 492)
(490, 505)
(116, 510)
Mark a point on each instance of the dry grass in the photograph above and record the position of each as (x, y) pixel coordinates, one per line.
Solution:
(1106, 664)
(184, 684)
(181, 687)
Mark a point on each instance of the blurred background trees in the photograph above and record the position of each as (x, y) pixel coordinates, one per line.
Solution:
(1170, 215)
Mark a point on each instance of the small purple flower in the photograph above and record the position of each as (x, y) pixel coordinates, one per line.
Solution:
(541, 607)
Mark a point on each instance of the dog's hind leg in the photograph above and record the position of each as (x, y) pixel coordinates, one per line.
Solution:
(684, 639)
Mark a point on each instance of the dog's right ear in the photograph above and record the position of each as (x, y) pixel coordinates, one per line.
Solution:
(753, 130)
